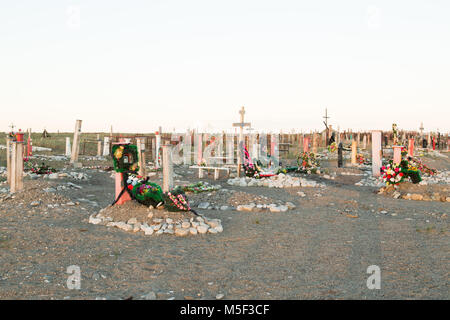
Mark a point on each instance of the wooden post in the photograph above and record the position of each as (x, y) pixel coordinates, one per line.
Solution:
(167, 168)
(411, 147)
(119, 187)
(365, 141)
(106, 146)
(16, 183)
(314, 148)
(157, 147)
(8, 158)
(376, 153)
(99, 146)
(141, 153)
(76, 142)
(354, 150)
(68, 148)
(397, 154)
(305, 144)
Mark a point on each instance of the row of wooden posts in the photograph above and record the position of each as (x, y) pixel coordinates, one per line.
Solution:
(15, 150)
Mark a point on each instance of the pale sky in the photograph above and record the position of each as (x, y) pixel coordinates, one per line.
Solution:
(137, 65)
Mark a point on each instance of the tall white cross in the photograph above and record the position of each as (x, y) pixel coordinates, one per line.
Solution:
(241, 125)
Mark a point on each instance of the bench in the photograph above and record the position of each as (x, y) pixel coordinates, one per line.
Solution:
(216, 171)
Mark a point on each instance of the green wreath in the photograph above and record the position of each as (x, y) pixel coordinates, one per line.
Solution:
(125, 158)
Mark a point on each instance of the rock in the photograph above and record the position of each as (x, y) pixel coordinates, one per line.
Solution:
(244, 207)
(202, 229)
(35, 203)
(150, 215)
(168, 220)
(447, 199)
(149, 296)
(193, 231)
(301, 194)
(214, 223)
(212, 230)
(396, 195)
(220, 296)
(416, 196)
(181, 232)
(203, 205)
(219, 228)
(435, 196)
(70, 204)
(275, 209)
(94, 220)
(290, 205)
(53, 176)
(137, 227)
(132, 221)
(185, 225)
(223, 208)
(283, 208)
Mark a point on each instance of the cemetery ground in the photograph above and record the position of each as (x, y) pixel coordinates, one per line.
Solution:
(320, 249)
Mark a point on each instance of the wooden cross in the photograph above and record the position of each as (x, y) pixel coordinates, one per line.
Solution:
(326, 126)
(241, 125)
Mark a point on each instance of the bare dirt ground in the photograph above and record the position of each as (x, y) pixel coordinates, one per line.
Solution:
(319, 250)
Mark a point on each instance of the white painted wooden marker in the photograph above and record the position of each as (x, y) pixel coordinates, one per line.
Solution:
(376, 153)
(241, 126)
(167, 168)
(68, 148)
(106, 143)
(76, 142)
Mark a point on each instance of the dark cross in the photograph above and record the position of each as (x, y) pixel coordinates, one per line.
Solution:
(326, 124)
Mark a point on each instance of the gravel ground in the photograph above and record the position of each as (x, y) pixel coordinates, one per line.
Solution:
(319, 250)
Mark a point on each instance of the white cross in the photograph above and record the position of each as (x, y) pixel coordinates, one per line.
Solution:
(241, 126)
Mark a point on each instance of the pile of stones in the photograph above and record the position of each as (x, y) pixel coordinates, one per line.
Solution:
(371, 181)
(278, 181)
(266, 207)
(442, 177)
(184, 227)
(60, 175)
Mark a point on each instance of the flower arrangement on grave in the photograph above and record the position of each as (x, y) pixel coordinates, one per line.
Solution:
(198, 187)
(203, 163)
(393, 174)
(308, 163)
(176, 200)
(333, 147)
(125, 158)
(38, 169)
(151, 194)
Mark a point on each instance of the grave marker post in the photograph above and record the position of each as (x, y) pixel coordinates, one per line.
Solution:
(167, 168)
(68, 148)
(99, 146)
(157, 147)
(305, 144)
(376, 153)
(8, 158)
(314, 148)
(397, 154)
(16, 183)
(76, 142)
(141, 153)
(411, 147)
(340, 155)
(354, 150)
(106, 146)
